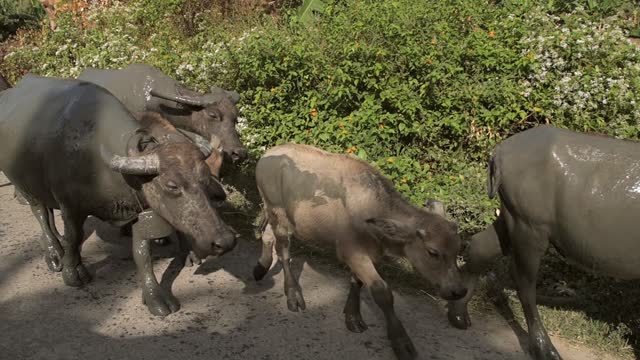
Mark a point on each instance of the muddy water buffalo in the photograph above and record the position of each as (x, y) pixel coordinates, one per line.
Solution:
(343, 202)
(71, 145)
(579, 192)
(142, 87)
(4, 83)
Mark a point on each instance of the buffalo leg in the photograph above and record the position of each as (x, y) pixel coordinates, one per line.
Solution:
(52, 224)
(266, 258)
(159, 301)
(528, 249)
(20, 197)
(352, 315)
(73, 272)
(363, 268)
(292, 289)
(125, 230)
(50, 239)
(484, 249)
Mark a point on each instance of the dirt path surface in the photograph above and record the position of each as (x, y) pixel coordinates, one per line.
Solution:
(224, 314)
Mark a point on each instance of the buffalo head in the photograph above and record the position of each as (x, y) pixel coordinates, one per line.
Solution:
(176, 182)
(210, 114)
(430, 242)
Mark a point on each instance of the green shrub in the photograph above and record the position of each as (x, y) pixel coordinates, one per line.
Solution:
(15, 14)
(424, 92)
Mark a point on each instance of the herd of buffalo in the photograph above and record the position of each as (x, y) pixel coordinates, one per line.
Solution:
(133, 147)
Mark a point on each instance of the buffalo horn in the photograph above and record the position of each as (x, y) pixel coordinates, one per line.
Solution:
(133, 165)
(200, 142)
(182, 99)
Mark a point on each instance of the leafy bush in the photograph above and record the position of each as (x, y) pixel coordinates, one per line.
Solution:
(15, 14)
(423, 92)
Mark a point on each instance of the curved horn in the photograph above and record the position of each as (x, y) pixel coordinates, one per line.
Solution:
(232, 95)
(235, 97)
(200, 142)
(182, 99)
(135, 165)
(436, 207)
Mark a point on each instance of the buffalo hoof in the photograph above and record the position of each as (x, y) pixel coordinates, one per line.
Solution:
(404, 349)
(160, 302)
(259, 272)
(459, 319)
(53, 261)
(295, 300)
(77, 276)
(355, 323)
(192, 259)
(548, 352)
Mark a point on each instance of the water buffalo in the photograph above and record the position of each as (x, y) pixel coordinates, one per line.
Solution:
(71, 145)
(341, 201)
(142, 87)
(4, 83)
(579, 192)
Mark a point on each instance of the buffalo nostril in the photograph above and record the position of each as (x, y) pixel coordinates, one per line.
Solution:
(239, 154)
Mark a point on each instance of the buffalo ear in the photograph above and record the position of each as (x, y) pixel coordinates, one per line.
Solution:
(142, 141)
(389, 229)
(436, 207)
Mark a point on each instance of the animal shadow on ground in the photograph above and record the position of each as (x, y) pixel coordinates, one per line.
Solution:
(105, 319)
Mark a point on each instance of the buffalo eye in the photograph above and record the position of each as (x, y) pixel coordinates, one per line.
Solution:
(214, 115)
(172, 187)
(433, 253)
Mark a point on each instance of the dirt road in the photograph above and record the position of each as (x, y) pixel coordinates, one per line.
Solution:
(224, 314)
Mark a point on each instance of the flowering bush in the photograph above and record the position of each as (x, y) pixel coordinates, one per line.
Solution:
(18, 13)
(423, 92)
(582, 73)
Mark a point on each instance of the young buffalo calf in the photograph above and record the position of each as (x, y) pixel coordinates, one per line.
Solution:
(338, 200)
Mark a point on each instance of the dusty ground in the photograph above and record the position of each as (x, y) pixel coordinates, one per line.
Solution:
(224, 315)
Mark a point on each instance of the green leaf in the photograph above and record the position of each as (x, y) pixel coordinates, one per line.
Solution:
(308, 8)
(362, 154)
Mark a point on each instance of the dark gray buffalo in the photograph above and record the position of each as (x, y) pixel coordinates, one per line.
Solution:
(71, 145)
(4, 83)
(579, 192)
(345, 203)
(142, 87)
